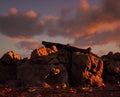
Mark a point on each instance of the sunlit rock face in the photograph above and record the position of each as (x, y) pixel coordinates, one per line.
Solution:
(111, 72)
(54, 65)
(58, 65)
(11, 57)
(86, 69)
(42, 52)
(45, 68)
(8, 66)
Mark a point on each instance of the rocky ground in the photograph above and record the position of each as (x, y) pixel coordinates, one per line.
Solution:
(107, 91)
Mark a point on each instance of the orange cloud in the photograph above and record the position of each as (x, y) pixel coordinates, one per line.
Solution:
(84, 5)
(31, 14)
(87, 25)
(102, 27)
(13, 11)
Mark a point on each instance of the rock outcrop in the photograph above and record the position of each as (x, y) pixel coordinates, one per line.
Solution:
(54, 65)
(45, 69)
(8, 66)
(86, 69)
(43, 51)
(111, 72)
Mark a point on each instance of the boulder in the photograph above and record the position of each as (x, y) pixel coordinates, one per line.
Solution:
(31, 74)
(11, 57)
(54, 65)
(111, 72)
(42, 67)
(73, 68)
(8, 66)
(60, 57)
(43, 51)
(58, 76)
(42, 74)
(86, 69)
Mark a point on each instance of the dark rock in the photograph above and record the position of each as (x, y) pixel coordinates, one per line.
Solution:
(75, 68)
(111, 72)
(86, 69)
(66, 47)
(41, 69)
(55, 65)
(116, 56)
(8, 66)
(25, 59)
(35, 55)
(44, 75)
(10, 58)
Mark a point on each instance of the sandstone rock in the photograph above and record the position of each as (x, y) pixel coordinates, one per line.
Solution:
(11, 57)
(52, 58)
(60, 57)
(58, 76)
(44, 75)
(55, 65)
(42, 52)
(62, 66)
(111, 72)
(86, 69)
(32, 74)
(8, 66)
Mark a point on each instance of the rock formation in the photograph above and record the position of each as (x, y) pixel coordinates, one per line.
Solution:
(54, 65)
(86, 69)
(76, 67)
(8, 66)
(44, 69)
(111, 72)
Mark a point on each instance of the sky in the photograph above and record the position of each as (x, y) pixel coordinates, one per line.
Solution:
(24, 24)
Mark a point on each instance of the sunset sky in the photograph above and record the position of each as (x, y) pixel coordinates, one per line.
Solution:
(82, 23)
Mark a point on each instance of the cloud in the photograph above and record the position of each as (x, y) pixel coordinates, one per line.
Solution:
(29, 45)
(111, 8)
(102, 29)
(86, 25)
(84, 5)
(31, 14)
(119, 46)
(13, 11)
(73, 23)
(99, 38)
(18, 25)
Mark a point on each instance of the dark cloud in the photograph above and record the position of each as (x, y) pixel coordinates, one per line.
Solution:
(112, 8)
(52, 27)
(30, 45)
(16, 24)
(73, 22)
(99, 38)
(87, 25)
